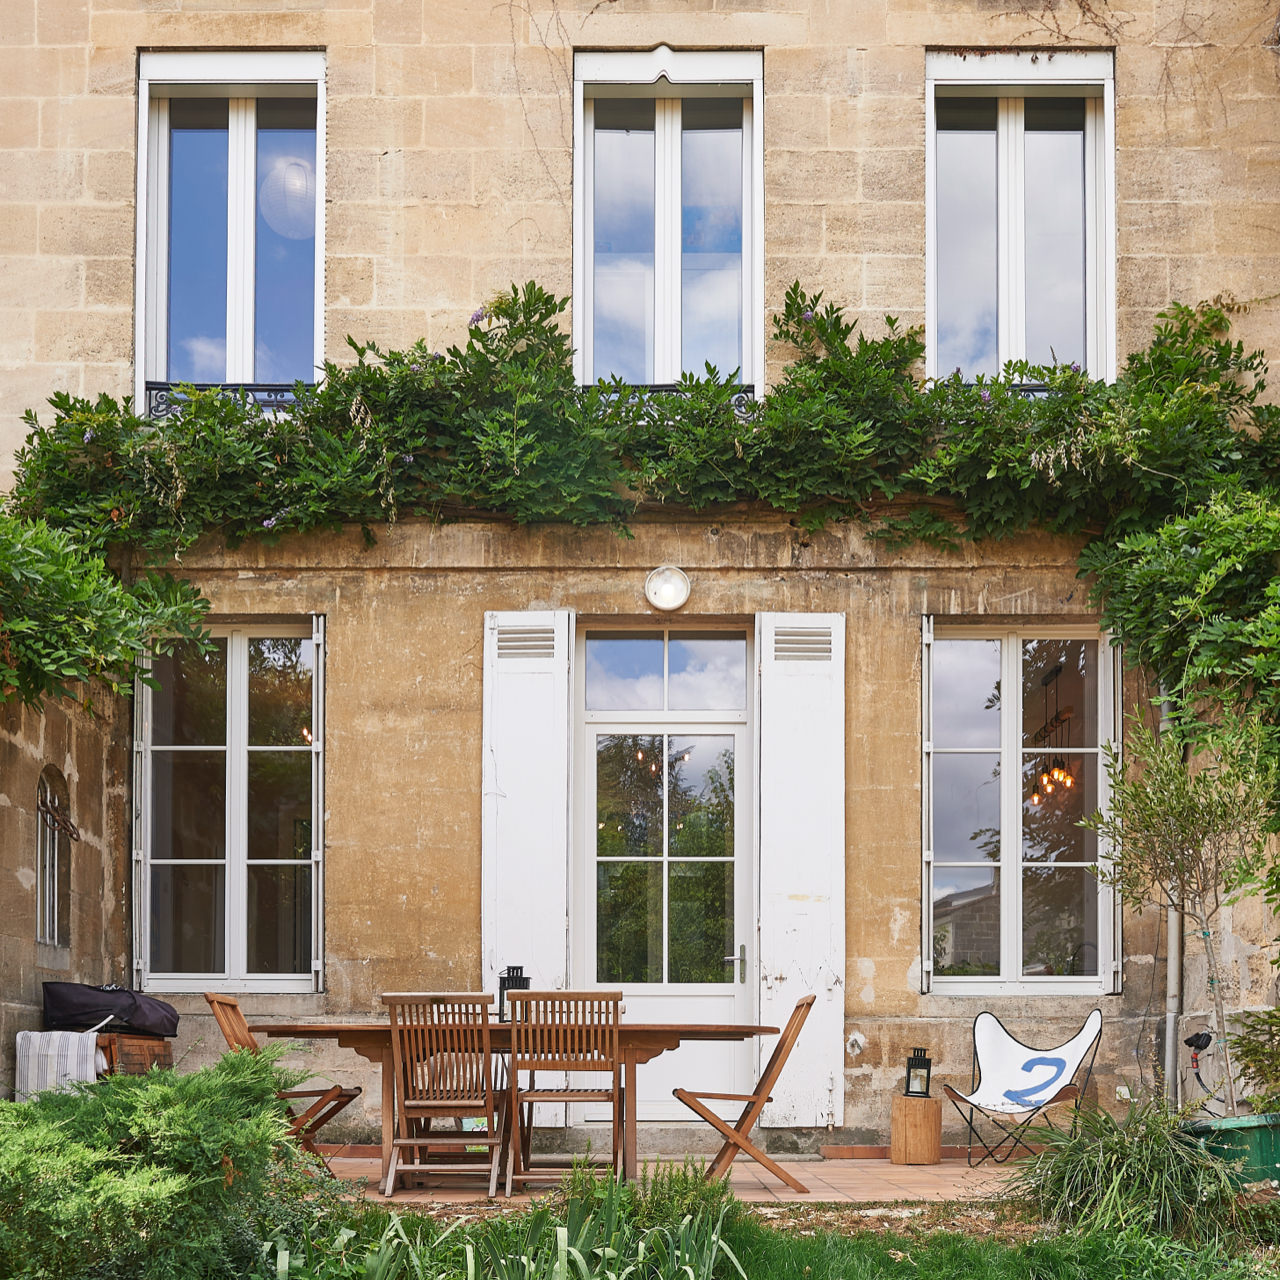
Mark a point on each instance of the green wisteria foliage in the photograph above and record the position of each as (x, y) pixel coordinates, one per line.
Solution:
(1169, 474)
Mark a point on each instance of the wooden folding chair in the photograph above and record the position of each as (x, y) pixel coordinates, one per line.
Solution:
(443, 1071)
(737, 1137)
(561, 1031)
(325, 1103)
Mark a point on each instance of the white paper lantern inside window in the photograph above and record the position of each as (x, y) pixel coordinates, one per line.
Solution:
(287, 198)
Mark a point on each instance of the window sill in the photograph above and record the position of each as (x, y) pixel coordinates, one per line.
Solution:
(280, 985)
(1091, 987)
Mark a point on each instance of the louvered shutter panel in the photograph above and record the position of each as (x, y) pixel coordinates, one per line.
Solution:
(802, 850)
(524, 836)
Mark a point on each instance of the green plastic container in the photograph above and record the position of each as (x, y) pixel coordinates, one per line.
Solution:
(1255, 1140)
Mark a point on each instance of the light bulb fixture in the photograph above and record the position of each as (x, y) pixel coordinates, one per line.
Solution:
(1035, 797)
(667, 587)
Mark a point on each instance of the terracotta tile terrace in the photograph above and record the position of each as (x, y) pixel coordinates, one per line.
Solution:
(829, 1181)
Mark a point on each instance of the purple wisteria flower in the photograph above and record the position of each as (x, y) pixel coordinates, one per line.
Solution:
(1075, 368)
(88, 434)
(806, 314)
(985, 397)
(417, 368)
(478, 315)
(406, 458)
(269, 522)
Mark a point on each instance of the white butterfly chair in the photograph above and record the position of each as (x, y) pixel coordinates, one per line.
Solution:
(1013, 1083)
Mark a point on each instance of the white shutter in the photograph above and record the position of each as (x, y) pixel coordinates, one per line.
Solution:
(524, 833)
(802, 850)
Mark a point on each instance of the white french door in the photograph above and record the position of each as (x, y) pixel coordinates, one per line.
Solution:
(664, 895)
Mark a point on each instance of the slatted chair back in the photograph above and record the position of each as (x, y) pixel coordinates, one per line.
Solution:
(230, 1019)
(564, 1030)
(440, 1047)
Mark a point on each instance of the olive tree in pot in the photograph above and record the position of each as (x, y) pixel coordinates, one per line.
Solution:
(1187, 827)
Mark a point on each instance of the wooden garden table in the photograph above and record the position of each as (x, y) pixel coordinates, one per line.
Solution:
(637, 1042)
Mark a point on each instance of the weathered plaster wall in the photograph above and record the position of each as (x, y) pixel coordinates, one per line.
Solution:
(403, 718)
(92, 752)
(449, 154)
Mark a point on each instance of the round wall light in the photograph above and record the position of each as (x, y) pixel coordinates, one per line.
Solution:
(667, 587)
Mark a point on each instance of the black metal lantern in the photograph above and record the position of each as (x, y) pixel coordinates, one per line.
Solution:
(512, 978)
(919, 1068)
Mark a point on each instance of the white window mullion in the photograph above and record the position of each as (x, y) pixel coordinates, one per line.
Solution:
(1011, 811)
(584, 265)
(241, 200)
(1011, 231)
(666, 320)
(317, 802)
(237, 815)
(142, 786)
(926, 811)
(155, 300)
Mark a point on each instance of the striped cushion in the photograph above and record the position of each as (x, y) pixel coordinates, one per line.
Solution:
(55, 1059)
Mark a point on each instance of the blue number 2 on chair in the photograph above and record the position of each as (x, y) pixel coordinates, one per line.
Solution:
(1030, 1096)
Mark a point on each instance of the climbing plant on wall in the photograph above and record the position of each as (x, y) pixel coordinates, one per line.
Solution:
(1168, 475)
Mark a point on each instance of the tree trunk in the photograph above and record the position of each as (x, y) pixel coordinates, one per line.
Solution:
(1219, 1011)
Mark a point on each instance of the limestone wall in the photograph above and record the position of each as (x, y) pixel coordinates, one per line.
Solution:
(403, 752)
(449, 154)
(92, 754)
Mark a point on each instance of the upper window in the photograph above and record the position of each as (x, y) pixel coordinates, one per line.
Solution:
(668, 262)
(229, 812)
(1012, 901)
(55, 831)
(231, 198)
(1020, 193)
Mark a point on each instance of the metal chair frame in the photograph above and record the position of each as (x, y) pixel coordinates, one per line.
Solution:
(1023, 1103)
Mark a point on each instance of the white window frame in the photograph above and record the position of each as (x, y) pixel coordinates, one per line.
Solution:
(233, 978)
(664, 73)
(1108, 977)
(1011, 78)
(241, 77)
(737, 724)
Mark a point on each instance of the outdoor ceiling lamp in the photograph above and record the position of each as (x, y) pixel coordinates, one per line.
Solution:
(667, 587)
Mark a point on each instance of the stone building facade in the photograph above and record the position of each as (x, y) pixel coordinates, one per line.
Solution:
(385, 166)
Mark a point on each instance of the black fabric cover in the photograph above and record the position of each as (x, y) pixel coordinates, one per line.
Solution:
(76, 1006)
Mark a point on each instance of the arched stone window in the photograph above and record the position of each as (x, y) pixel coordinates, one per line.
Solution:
(55, 832)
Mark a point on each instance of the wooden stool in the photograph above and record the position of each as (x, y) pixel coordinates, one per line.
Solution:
(915, 1130)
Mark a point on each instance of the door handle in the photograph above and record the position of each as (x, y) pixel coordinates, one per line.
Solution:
(741, 958)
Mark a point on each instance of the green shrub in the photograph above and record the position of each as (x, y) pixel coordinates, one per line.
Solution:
(1255, 1053)
(158, 1176)
(673, 1192)
(1142, 1170)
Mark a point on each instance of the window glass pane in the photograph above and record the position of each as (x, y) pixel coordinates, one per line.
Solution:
(197, 285)
(965, 219)
(1067, 791)
(624, 673)
(1059, 921)
(629, 922)
(629, 795)
(188, 804)
(966, 921)
(190, 706)
(1053, 176)
(700, 802)
(966, 693)
(280, 673)
(1059, 694)
(701, 924)
(711, 234)
(279, 804)
(622, 296)
(707, 673)
(285, 236)
(966, 807)
(187, 923)
(279, 920)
